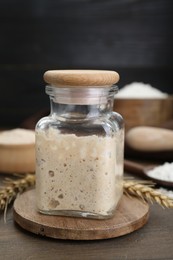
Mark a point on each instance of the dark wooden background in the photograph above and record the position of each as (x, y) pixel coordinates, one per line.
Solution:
(134, 37)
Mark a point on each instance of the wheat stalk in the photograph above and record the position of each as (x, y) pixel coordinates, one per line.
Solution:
(145, 191)
(140, 189)
(12, 188)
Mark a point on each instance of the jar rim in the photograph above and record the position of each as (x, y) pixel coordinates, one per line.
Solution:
(81, 96)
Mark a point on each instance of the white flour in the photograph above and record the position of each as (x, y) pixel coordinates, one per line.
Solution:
(140, 90)
(166, 192)
(163, 172)
(17, 136)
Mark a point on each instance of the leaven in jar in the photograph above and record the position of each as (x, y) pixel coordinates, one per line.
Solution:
(80, 146)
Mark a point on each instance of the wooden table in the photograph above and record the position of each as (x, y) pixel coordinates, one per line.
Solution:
(153, 241)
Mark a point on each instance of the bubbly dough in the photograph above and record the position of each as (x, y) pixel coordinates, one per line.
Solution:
(78, 173)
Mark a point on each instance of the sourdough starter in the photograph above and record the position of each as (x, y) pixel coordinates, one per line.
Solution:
(77, 173)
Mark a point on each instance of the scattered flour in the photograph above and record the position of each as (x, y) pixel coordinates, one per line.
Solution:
(140, 90)
(163, 172)
(166, 192)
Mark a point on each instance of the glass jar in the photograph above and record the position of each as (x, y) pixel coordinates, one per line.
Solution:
(80, 146)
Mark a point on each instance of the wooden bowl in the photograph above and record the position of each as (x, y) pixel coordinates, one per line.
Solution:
(17, 153)
(144, 112)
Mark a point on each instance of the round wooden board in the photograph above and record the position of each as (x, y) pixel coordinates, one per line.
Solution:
(130, 215)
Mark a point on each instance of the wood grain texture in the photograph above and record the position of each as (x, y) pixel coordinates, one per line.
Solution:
(153, 241)
(86, 33)
(82, 78)
(132, 37)
(144, 112)
(131, 215)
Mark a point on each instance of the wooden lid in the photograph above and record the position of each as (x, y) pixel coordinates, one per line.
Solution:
(72, 78)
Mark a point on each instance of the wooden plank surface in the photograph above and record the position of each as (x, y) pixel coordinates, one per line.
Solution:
(154, 241)
(133, 37)
(86, 33)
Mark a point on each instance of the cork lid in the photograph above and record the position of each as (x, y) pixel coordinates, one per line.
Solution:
(81, 78)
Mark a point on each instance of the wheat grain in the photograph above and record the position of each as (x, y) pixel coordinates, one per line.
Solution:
(140, 189)
(145, 191)
(12, 188)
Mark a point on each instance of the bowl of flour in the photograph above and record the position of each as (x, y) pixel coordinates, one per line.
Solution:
(141, 104)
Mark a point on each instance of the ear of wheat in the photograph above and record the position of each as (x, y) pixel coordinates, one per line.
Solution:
(142, 190)
(12, 188)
